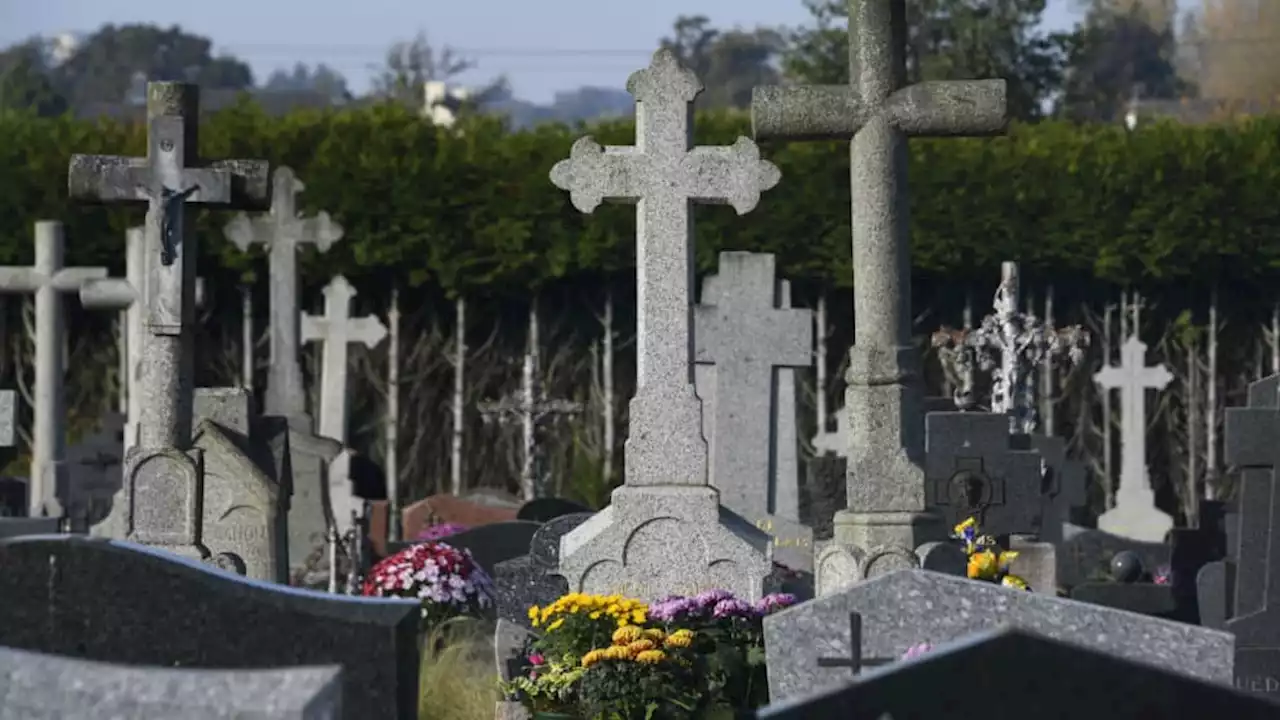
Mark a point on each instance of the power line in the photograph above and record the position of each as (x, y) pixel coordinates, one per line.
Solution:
(269, 48)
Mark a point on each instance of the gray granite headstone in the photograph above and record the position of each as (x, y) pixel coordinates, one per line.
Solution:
(93, 473)
(1085, 554)
(37, 686)
(974, 471)
(742, 339)
(1012, 674)
(665, 530)
(905, 608)
(1065, 486)
(549, 508)
(122, 603)
(490, 544)
(533, 579)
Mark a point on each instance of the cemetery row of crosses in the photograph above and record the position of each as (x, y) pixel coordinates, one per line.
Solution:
(951, 542)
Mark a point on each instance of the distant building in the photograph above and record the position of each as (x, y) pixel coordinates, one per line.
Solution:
(1198, 111)
(441, 103)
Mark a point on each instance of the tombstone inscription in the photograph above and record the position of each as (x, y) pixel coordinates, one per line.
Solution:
(876, 114)
(665, 508)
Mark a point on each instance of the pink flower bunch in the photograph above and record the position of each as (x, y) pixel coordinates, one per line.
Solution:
(446, 580)
(1163, 575)
(443, 530)
(916, 651)
(716, 604)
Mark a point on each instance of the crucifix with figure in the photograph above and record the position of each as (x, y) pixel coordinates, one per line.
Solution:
(876, 113)
(161, 472)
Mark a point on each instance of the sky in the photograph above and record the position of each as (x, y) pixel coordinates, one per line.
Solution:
(542, 46)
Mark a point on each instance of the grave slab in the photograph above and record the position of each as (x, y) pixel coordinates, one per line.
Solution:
(37, 686)
(905, 608)
(1032, 676)
(534, 579)
(119, 602)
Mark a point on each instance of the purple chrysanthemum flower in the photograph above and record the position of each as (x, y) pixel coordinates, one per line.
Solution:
(732, 607)
(671, 609)
(709, 598)
(916, 651)
(443, 530)
(774, 602)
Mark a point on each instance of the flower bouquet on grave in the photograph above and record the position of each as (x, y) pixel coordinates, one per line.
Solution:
(445, 579)
(730, 635)
(572, 626)
(987, 560)
(644, 674)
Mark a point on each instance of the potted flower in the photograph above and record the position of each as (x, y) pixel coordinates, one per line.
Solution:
(445, 579)
(644, 674)
(730, 633)
(987, 559)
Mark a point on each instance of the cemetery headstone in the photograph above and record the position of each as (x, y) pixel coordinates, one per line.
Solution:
(1024, 675)
(974, 471)
(1133, 591)
(47, 279)
(163, 479)
(549, 508)
(876, 114)
(903, 609)
(509, 647)
(533, 579)
(284, 230)
(786, 438)
(37, 686)
(489, 544)
(665, 531)
(742, 339)
(1135, 514)
(1065, 486)
(336, 330)
(92, 472)
(122, 603)
(1085, 554)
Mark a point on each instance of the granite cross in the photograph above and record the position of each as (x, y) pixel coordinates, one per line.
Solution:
(1135, 514)
(170, 176)
(855, 662)
(283, 230)
(336, 329)
(531, 410)
(163, 482)
(876, 113)
(741, 336)
(665, 455)
(47, 279)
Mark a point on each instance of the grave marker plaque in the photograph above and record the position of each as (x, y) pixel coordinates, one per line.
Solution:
(973, 472)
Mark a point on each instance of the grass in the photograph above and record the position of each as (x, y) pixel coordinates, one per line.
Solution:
(458, 680)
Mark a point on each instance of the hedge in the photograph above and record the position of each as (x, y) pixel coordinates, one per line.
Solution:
(471, 209)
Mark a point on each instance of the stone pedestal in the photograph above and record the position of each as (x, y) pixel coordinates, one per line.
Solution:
(660, 540)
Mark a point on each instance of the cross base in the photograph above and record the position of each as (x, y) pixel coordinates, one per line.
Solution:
(1138, 521)
(654, 541)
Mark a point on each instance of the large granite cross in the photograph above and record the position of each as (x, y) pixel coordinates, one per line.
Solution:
(283, 230)
(47, 279)
(163, 483)
(877, 112)
(1135, 514)
(622, 549)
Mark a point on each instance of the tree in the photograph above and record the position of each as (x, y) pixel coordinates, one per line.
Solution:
(729, 63)
(321, 79)
(1239, 50)
(103, 67)
(25, 82)
(1123, 49)
(946, 40)
(411, 64)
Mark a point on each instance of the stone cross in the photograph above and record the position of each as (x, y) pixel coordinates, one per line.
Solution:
(162, 481)
(531, 410)
(876, 113)
(337, 329)
(283, 230)
(622, 549)
(1135, 514)
(47, 279)
(741, 336)
(786, 441)
(855, 662)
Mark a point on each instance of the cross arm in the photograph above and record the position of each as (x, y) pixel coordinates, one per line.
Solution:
(1109, 377)
(250, 183)
(108, 178)
(314, 328)
(244, 231)
(107, 294)
(594, 173)
(733, 175)
(368, 330)
(319, 230)
(73, 278)
(837, 112)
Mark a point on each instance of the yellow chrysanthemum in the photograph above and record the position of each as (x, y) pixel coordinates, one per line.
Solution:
(1015, 582)
(592, 657)
(617, 652)
(626, 635)
(679, 639)
(651, 657)
(640, 646)
(639, 616)
(555, 625)
(654, 634)
(533, 612)
(983, 565)
(1005, 560)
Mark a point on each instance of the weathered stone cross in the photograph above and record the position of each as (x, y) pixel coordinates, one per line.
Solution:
(1135, 514)
(337, 329)
(665, 453)
(163, 483)
(530, 410)
(47, 279)
(877, 112)
(283, 230)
